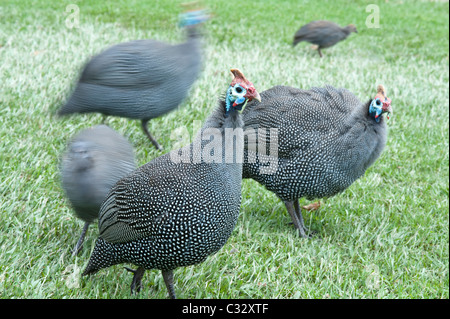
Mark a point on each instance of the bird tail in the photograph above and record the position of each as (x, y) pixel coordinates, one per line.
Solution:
(101, 257)
(70, 107)
(65, 110)
(85, 98)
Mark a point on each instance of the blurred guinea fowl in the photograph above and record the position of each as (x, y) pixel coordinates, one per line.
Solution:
(323, 33)
(95, 159)
(171, 213)
(141, 79)
(326, 139)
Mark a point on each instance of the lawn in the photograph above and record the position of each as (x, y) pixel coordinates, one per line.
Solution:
(386, 236)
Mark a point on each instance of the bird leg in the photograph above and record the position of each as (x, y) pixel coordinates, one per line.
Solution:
(168, 279)
(297, 218)
(320, 52)
(137, 278)
(298, 211)
(154, 142)
(79, 244)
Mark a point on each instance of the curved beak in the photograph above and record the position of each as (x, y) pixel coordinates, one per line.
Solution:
(239, 77)
(381, 94)
(387, 105)
(252, 94)
(387, 108)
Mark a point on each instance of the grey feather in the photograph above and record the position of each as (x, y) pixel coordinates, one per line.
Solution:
(168, 214)
(326, 140)
(95, 159)
(141, 79)
(323, 33)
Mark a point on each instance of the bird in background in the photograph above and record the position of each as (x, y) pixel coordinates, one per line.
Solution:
(169, 214)
(323, 33)
(95, 159)
(140, 79)
(326, 139)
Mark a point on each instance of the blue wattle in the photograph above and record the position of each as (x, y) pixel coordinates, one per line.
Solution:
(240, 100)
(374, 111)
(193, 18)
(233, 103)
(228, 104)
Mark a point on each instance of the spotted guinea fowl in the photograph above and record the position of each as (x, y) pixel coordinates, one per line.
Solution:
(95, 159)
(177, 210)
(323, 33)
(141, 79)
(323, 140)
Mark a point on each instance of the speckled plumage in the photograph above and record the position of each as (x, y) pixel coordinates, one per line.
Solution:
(95, 159)
(326, 140)
(169, 214)
(141, 79)
(323, 33)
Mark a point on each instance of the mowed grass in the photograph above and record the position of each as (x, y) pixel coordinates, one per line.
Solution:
(386, 236)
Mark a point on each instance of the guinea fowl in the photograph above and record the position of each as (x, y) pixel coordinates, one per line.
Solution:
(177, 210)
(95, 159)
(326, 139)
(141, 79)
(323, 33)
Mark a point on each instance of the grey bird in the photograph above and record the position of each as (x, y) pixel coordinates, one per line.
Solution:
(323, 140)
(323, 33)
(181, 207)
(141, 79)
(95, 159)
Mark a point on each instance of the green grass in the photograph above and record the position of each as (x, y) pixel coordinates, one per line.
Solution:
(386, 236)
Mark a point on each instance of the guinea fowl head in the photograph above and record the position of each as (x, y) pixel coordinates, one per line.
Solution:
(239, 93)
(193, 15)
(380, 104)
(80, 155)
(351, 28)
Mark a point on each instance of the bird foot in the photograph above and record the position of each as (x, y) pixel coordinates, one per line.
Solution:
(295, 212)
(305, 232)
(80, 242)
(168, 280)
(135, 286)
(150, 137)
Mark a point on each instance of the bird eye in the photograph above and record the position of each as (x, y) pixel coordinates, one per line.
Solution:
(239, 89)
(378, 102)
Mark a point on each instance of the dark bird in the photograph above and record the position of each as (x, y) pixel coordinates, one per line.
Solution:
(178, 209)
(323, 140)
(95, 159)
(323, 33)
(141, 79)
